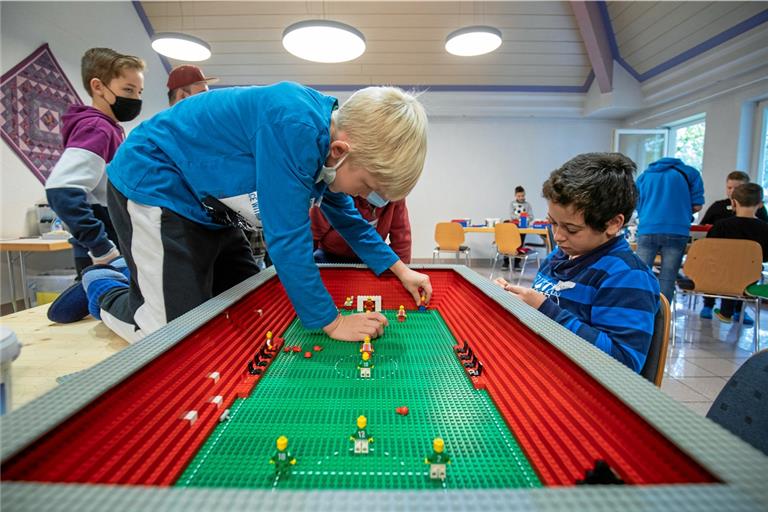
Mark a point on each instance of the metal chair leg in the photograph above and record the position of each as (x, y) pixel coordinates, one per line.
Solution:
(522, 269)
(674, 323)
(493, 267)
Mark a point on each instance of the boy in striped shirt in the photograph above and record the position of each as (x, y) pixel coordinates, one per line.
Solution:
(593, 284)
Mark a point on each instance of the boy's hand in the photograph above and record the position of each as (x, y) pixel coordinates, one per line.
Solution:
(413, 281)
(501, 282)
(528, 295)
(356, 327)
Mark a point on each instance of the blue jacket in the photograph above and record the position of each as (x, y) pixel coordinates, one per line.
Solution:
(668, 190)
(608, 297)
(258, 150)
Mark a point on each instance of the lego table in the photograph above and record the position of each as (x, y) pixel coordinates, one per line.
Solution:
(520, 432)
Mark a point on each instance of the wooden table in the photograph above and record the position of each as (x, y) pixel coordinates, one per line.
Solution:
(50, 350)
(24, 246)
(543, 232)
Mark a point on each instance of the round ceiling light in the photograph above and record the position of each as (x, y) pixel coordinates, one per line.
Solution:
(471, 41)
(181, 46)
(324, 41)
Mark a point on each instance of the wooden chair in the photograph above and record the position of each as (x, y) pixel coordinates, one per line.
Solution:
(508, 242)
(653, 370)
(723, 268)
(450, 238)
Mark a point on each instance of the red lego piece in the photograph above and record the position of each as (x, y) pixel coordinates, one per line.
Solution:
(307, 355)
(286, 349)
(297, 349)
(317, 348)
(402, 411)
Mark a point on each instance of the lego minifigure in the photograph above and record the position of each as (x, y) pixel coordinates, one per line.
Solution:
(438, 460)
(282, 459)
(369, 305)
(367, 345)
(360, 436)
(348, 302)
(423, 303)
(269, 340)
(401, 314)
(365, 365)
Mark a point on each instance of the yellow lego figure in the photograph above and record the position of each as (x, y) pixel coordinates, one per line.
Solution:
(367, 345)
(282, 459)
(269, 340)
(401, 314)
(360, 436)
(438, 460)
(365, 365)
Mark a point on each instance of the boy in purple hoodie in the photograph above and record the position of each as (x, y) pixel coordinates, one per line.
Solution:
(77, 186)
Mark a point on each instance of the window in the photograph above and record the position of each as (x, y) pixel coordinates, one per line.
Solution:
(762, 160)
(687, 141)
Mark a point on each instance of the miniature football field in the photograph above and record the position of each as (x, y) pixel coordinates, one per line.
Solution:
(315, 402)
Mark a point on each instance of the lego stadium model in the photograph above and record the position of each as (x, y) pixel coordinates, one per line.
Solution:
(474, 400)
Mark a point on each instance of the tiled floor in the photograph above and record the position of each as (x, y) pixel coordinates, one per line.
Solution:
(705, 353)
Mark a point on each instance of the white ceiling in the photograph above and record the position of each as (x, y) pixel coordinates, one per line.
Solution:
(651, 33)
(541, 46)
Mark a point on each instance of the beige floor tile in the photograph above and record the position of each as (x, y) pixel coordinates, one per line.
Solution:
(676, 390)
(716, 366)
(707, 386)
(699, 407)
(679, 367)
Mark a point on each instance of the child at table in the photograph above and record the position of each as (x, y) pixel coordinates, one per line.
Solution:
(77, 186)
(746, 200)
(593, 283)
(516, 208)
(187, 181)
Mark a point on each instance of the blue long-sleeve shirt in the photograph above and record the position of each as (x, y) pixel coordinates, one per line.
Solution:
(667, 192)
(258, 150)
(608, 297)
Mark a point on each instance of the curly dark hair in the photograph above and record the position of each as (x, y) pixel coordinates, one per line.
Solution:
(600, 185)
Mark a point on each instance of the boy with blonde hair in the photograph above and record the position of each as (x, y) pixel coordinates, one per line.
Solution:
(187, 181)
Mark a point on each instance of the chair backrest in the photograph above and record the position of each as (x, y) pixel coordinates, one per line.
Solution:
(742, 405)
(653, 370)
(449, 235)
(723, 266)
(508, 239)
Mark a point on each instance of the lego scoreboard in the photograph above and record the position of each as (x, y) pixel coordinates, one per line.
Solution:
(472, 401)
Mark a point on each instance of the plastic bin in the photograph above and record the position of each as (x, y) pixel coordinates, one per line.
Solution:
(47, 286)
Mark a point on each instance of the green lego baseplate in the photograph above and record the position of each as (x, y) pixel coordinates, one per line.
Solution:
(315, 402)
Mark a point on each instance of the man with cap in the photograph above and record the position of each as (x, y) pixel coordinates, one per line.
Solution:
(185, 81)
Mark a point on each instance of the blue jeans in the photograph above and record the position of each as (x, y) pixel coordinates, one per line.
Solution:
(672, 248)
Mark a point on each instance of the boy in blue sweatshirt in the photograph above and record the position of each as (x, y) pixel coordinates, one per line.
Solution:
(187, 181)
(593, 284)
(77, 186)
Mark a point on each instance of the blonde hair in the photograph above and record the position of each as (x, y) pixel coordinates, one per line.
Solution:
(387, 130)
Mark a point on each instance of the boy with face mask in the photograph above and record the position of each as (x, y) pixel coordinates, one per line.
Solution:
(77, 186)
(188, 180)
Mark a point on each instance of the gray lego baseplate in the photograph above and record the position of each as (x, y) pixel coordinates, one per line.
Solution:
(741, 468)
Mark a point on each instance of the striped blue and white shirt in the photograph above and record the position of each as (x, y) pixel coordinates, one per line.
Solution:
(608, 297)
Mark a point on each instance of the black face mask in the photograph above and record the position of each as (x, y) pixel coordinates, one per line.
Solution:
(125, 109)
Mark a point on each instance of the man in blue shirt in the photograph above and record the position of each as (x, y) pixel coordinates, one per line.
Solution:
(593, 284)
(669, 193)
(186, 181)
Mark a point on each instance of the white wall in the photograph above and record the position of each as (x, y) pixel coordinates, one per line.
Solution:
(474, 164)
(69, 28)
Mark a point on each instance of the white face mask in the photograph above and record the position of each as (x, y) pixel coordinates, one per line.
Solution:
(328, 174)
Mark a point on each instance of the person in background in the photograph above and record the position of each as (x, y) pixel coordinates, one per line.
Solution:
(185, 81)
(77, 186)
(593, 284)
(669, 193)
(723, 208)
(516, 208)
(746, 201)
(390, 219)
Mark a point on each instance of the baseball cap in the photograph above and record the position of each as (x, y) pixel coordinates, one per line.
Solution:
(188, 74)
